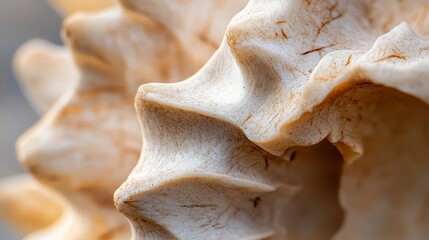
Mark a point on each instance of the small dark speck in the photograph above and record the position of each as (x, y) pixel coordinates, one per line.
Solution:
(256, 201)
(292, 156)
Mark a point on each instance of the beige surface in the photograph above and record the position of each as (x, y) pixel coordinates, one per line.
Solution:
(216, 145)
(92, 128)
(290, 74)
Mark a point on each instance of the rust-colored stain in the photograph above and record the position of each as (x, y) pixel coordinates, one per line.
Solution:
(284, 34)
(199, 206)
(280, 22)
(248, 118)
(391, 56)
(348, 60)
(130, 202)
(328, 22)
(316, 49)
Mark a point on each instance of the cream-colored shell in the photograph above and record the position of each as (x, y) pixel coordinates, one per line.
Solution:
(27, 205)
(89, 140)
(45, 72)
(311, 121)
(288, 75)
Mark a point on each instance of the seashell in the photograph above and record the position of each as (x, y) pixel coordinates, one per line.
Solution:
(28, 214)
(39, 64)
(302, 125)
(91, 128)
(45, 72)
(243, 149)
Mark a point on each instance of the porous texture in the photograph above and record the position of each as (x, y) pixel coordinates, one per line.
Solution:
(310, 121)
(292, 79)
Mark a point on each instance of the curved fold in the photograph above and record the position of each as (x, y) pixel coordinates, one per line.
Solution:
(292, 73)
(92, 130)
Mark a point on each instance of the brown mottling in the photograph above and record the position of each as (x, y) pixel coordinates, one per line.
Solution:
(284, 34)
(391, 56)
(348, 60)
(316, 49)
(248, 118)
(232, 36)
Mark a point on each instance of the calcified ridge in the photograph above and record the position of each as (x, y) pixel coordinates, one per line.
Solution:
(88, 141)
(288, 75)
(310, 121)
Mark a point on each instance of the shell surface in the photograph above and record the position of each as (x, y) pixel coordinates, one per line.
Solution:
(309, 121)
(288, 75)
(91, 128)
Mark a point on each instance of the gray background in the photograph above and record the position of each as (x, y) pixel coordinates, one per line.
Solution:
(20, 21)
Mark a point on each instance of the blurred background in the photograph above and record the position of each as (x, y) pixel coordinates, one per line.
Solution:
(20, 21)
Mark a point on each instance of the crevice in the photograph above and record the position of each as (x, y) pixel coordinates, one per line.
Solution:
(315, 212)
